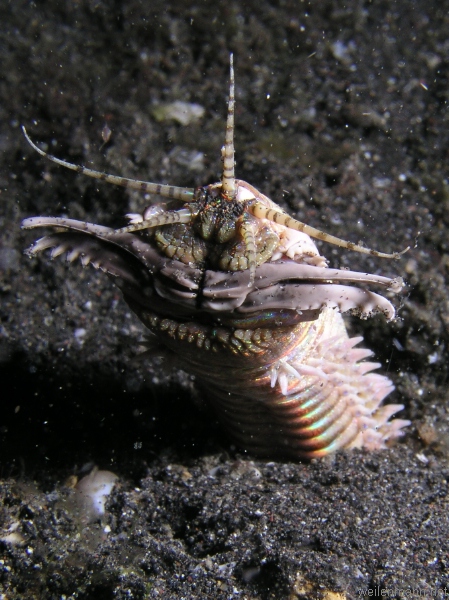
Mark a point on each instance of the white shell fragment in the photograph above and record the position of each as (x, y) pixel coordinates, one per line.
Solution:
(93, 490)
(182, 112)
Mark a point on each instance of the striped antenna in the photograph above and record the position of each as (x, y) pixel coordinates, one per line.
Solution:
(227, 152)
(261, 211)
(167, 191)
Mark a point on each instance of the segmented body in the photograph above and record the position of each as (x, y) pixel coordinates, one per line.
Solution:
(238, 291)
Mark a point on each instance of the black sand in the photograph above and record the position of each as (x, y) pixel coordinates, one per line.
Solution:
(344, 102)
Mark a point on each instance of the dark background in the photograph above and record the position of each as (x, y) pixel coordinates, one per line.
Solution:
(342, 102)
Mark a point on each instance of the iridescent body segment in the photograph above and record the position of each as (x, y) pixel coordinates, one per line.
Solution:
(237, 290)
